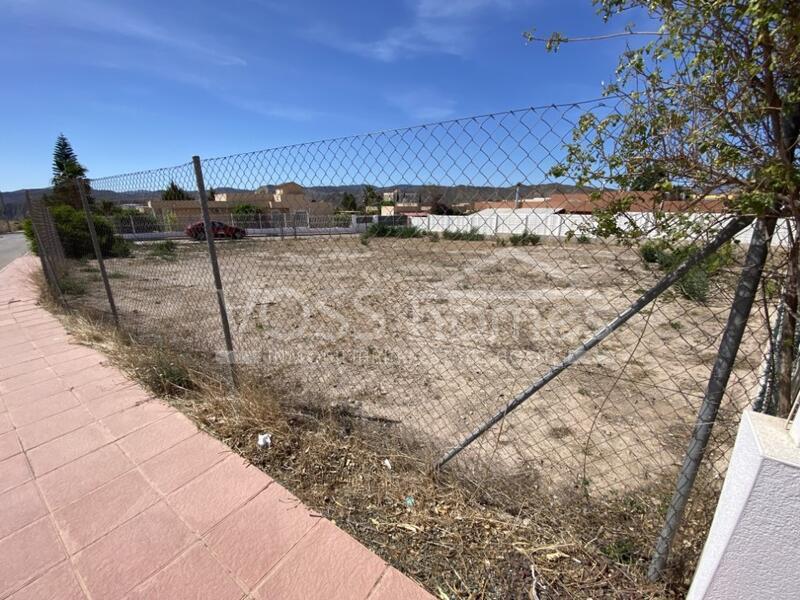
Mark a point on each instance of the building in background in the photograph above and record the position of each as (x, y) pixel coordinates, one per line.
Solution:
(289, 199)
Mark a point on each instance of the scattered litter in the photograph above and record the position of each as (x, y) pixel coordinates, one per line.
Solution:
(387, 464)
(409, 502)
(264, 440)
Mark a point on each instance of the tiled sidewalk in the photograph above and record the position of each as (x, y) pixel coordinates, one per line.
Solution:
(107, 493)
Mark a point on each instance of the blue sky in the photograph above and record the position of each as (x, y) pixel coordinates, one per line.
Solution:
(136, 85)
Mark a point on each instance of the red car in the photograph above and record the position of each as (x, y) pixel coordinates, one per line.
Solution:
(197, 231)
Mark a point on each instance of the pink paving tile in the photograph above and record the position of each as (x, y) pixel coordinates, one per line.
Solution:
(143, 444)
(78, 478)
(67, 448)
(124, 558)
(43, 330)
(41, 409)
(394, 585)
(194, 575)
(33, 393)
(107, 507)
(5, 423)
(9, 445)
(19, 353)
(14, 337)
(206, 500)
(78, 364)
(85, 376)
(58, 583)
(240, 541)
(55, 344)
(101, 387)
(20, 507)
(183, 462)
(27, 553)
(326, 563)
(32, 319)
(28, 366)
(13, 472)
(68, 352)
(127, 421)
(54, 426)
(25, 380)
(117, 401)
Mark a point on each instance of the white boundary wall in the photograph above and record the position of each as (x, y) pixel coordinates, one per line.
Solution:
(753, 548)
(546, 223)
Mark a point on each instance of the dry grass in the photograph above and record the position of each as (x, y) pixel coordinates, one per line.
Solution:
(456, 538)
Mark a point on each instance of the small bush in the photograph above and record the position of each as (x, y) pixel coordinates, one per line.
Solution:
(27, 231)
(73, 232)
(525, 239)
(465, 236)
(651, 251)
(695, 284)
(583, 239)
(398, 231)
(120, 247)
(165, 249)
(71, 286)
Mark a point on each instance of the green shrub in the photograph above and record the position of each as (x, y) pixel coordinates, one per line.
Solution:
(651, 251)
(120, 247)
(398, 231)
(27, 231)
(165, 249)
(71, 286)
(467, 236)
(695, 284)
(73, 232)
(583, 239)
(525, 239)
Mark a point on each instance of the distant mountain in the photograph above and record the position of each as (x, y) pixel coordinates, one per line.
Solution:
(427, 193)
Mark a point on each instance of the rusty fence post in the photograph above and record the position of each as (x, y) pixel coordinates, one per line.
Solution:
(79, 183)
(212, 256)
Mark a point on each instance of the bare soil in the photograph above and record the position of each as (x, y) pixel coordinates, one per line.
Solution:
(437, 336)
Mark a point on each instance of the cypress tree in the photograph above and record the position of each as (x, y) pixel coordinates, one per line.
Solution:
(65, 169)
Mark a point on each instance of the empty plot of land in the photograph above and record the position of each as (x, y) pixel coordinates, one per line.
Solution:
(439, 335)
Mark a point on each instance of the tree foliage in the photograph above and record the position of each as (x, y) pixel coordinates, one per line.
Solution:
(66, 169)
(713, 100)
(371, 197)
(349, 202)
(245, 209)
(711, 103)
(174, 193)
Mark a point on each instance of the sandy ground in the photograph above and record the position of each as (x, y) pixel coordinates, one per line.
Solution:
(438, 335)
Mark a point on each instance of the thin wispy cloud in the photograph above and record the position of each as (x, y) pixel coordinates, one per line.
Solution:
(422, 104)
(287, 112)
(436, 26)
(107, 18)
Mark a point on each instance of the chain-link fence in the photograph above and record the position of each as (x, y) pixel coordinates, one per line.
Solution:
(440, 278)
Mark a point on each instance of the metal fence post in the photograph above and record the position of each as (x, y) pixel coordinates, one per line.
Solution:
(47, 267)
(718, 381)
(79, 183)
(212, 256)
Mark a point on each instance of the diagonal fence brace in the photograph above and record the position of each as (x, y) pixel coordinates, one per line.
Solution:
(724, 235)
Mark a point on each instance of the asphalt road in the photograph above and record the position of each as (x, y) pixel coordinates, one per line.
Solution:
(12, 245)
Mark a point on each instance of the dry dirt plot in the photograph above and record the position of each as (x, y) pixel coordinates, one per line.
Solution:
(438, 335)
